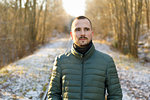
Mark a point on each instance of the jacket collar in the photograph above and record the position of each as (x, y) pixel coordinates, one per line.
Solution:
(82, 50)
(86, 55)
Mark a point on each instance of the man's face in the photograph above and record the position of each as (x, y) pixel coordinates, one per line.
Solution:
(81, 32)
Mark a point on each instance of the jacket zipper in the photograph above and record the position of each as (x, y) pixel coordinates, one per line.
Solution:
(82, 77)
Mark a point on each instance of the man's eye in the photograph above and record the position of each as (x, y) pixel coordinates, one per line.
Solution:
(77, 29)
(87, 29)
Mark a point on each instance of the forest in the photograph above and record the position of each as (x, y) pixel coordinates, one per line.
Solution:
(34, 32)
(25, 24)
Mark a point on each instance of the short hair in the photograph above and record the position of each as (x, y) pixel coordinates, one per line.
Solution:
(82, 17)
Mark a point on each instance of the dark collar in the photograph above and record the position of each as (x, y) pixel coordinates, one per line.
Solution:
(82, 50)
(87, 54)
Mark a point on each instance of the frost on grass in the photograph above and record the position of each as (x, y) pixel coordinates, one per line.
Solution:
(28, 78)
(134, 76)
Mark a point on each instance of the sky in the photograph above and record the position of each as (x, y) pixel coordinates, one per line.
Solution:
(74, 7)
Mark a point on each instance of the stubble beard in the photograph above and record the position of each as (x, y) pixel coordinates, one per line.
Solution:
(84, 43)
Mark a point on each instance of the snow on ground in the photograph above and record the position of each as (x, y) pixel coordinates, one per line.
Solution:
(134, 76)
(28, 78)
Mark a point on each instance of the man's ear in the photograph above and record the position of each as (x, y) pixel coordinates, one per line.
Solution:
(71, 35)
(92, 33)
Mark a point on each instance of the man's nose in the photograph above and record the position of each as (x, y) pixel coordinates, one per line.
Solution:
(82, 32)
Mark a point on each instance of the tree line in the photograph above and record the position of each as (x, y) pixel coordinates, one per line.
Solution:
(24, 24)
(124, 20)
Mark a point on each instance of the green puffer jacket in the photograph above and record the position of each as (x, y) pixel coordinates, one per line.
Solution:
(78, 77)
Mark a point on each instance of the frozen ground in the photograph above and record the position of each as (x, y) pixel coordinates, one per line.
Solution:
(28, 78)
(134, 76)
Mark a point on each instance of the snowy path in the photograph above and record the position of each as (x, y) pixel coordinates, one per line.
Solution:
(28, 78)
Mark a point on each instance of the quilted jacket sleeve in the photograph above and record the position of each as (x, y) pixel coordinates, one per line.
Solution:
(112, 82)
(54, 92)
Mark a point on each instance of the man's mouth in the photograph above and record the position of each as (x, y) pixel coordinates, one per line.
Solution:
(83, 38)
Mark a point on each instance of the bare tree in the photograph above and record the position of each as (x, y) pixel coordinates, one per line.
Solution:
(22, 28)
(147, 3)
(120, 18)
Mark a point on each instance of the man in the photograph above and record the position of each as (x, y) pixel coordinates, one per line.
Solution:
(84, 73)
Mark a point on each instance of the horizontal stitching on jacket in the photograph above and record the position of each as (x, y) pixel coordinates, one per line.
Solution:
(96, 69)
(70, 74)
(71, 69)
(96, 75)
(72, 85)
(72, 98)
(92, 92)
(94, 86)
(97, 80)
(70, 63)
(71, 92)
